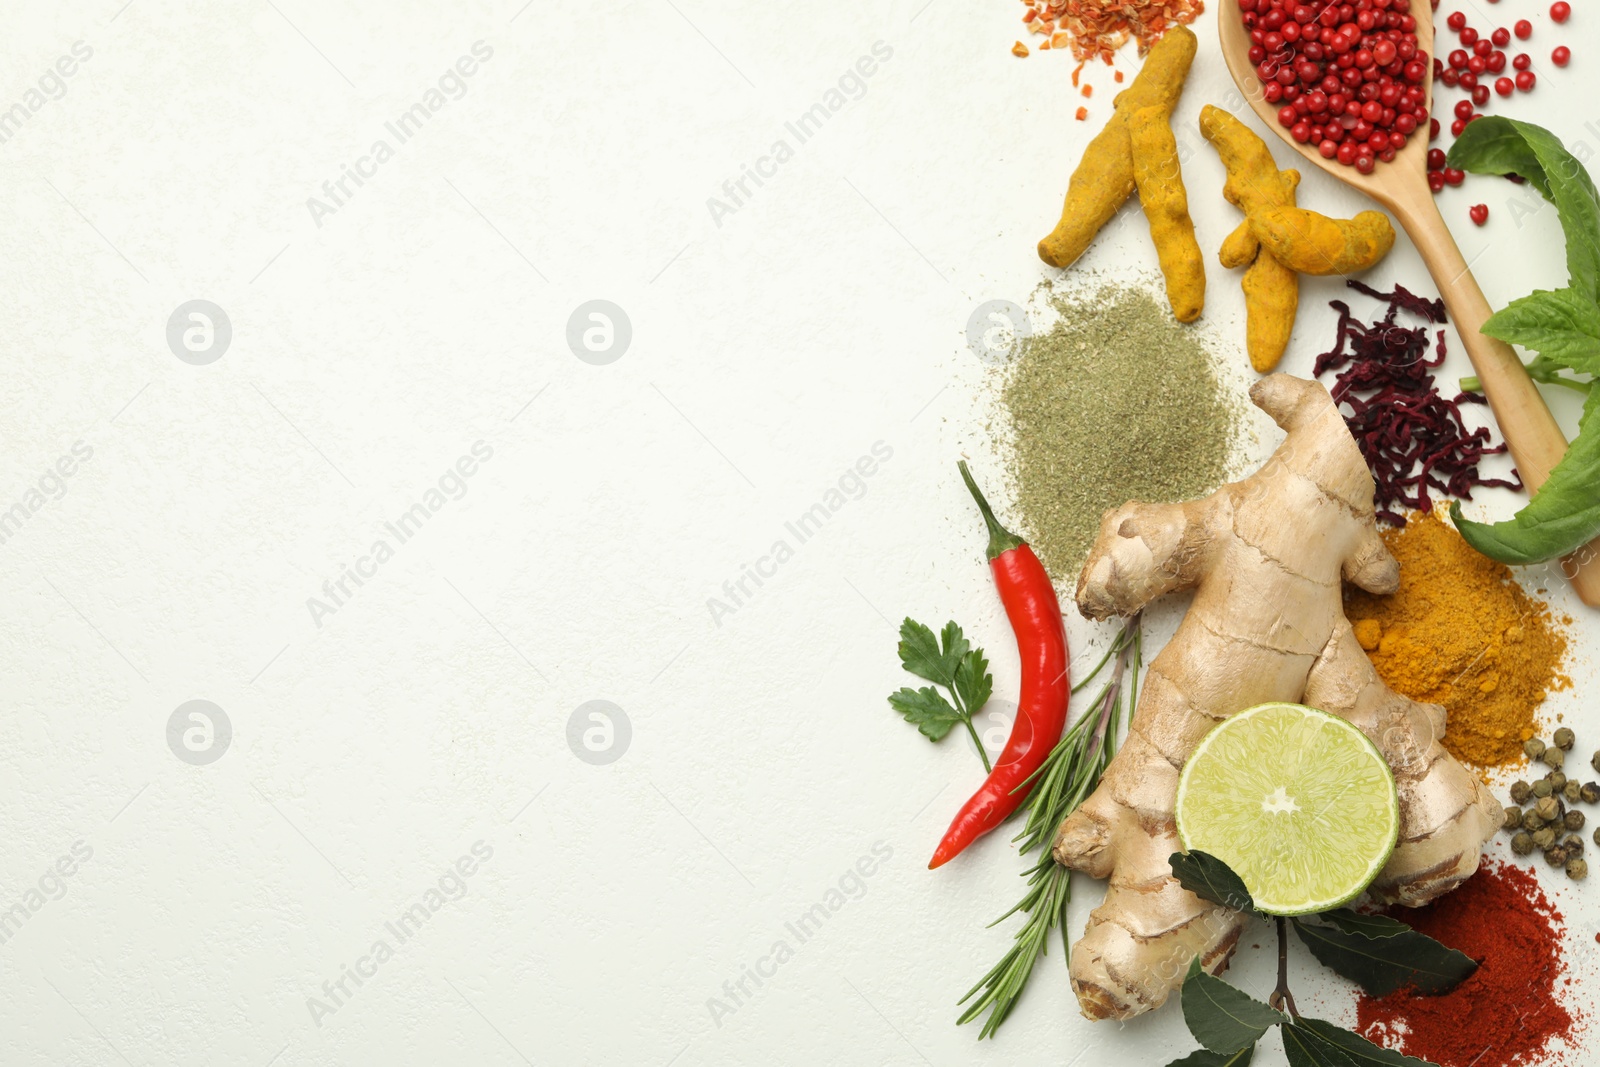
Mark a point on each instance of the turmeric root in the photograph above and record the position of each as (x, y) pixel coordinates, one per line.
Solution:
(1271, 301)
(1104, 178)
(1315, 244)
(1157, 175)
(1239, 248)
(1265, 557)
(1301, 240)
(1271, 297)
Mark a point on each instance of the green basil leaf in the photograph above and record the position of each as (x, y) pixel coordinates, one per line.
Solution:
(1380, 965)
(1210, 879)
(919, 652)
(1220, 1017)
(973, 682)
(1498, 148)
(925, 709)
(1205, 1058)
(1354, 922)
(1363, 1052)
(1561, 518)
(1555, 172)
(1563, 326)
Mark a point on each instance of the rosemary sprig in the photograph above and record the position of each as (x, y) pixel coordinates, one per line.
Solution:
(1067, 777)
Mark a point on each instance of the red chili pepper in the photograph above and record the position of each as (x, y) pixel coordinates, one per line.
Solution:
(1035, 614)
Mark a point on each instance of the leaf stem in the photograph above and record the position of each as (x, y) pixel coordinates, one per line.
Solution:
(978, 741)
(1281, 998)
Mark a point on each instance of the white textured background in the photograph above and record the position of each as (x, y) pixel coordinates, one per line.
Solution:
(771, 349)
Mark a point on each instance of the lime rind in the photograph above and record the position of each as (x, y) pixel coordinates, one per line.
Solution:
(1299, 803)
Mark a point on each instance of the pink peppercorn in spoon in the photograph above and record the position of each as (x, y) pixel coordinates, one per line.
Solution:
(1395, 177)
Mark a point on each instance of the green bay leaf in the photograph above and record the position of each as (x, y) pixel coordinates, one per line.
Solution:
(1353, 1046)
(1220, 1017)
(1207, 1058)
(1380, 965)
(1210, 879)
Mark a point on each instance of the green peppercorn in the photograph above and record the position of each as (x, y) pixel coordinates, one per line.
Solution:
(1543, 838)
(1512, 818)
(1522, 843)
(1577, 870)
(1573, 843)
(1563, 739)
(1558, 781)
(1554, 758)
(1548, 808)
(1556, 856)
(1594, 761)
(1542, 788)
(1531, 820)
(1520, 792)
(1571, 793)
(1535, 748)
(1573, 820)
(1590, 793)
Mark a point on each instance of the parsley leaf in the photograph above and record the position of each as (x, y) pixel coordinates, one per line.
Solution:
(973, 682)
(926, 710)
(948, 660)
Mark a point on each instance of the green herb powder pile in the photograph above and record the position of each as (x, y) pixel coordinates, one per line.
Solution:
(1116, 402)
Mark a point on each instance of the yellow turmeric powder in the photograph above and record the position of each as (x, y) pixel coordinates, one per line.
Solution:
(1462, 633)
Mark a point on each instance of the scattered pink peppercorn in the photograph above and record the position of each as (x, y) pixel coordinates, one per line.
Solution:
(1521, 61)
(1560, 10)
(1524, 29)
(1469, 36)
(1452, 176)
(1504, 86)
(1456, 21)
(1525, 80)
(1436, 180)
(1479, 213)
(1561, 56)
(1501, 37)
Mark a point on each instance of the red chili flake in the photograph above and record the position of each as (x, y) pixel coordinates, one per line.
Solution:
(1118, 77)
(1076, 72)
(1100, 27)
(1400, 420)
(1088, 90)
(1083, 113)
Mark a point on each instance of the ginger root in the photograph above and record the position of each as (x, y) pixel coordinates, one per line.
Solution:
(1104, 178)
(1159, 179)
(1265, 557)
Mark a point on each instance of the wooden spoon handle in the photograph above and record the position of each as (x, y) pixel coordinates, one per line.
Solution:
(1536, 441)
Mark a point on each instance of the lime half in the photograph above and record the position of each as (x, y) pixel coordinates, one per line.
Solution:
(1298, 802)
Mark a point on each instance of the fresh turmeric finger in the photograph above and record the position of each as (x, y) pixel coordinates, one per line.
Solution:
(1271, 301)
(1254, 180)
(1304, 240)
(1315, 244)
(1239, 248)
(1104, 178)
(1159, 179)
(1271, 297)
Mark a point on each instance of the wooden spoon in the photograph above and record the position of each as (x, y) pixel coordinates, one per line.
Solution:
(1401, 186)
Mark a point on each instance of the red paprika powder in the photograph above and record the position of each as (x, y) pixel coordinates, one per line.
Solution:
(1505, 1015)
